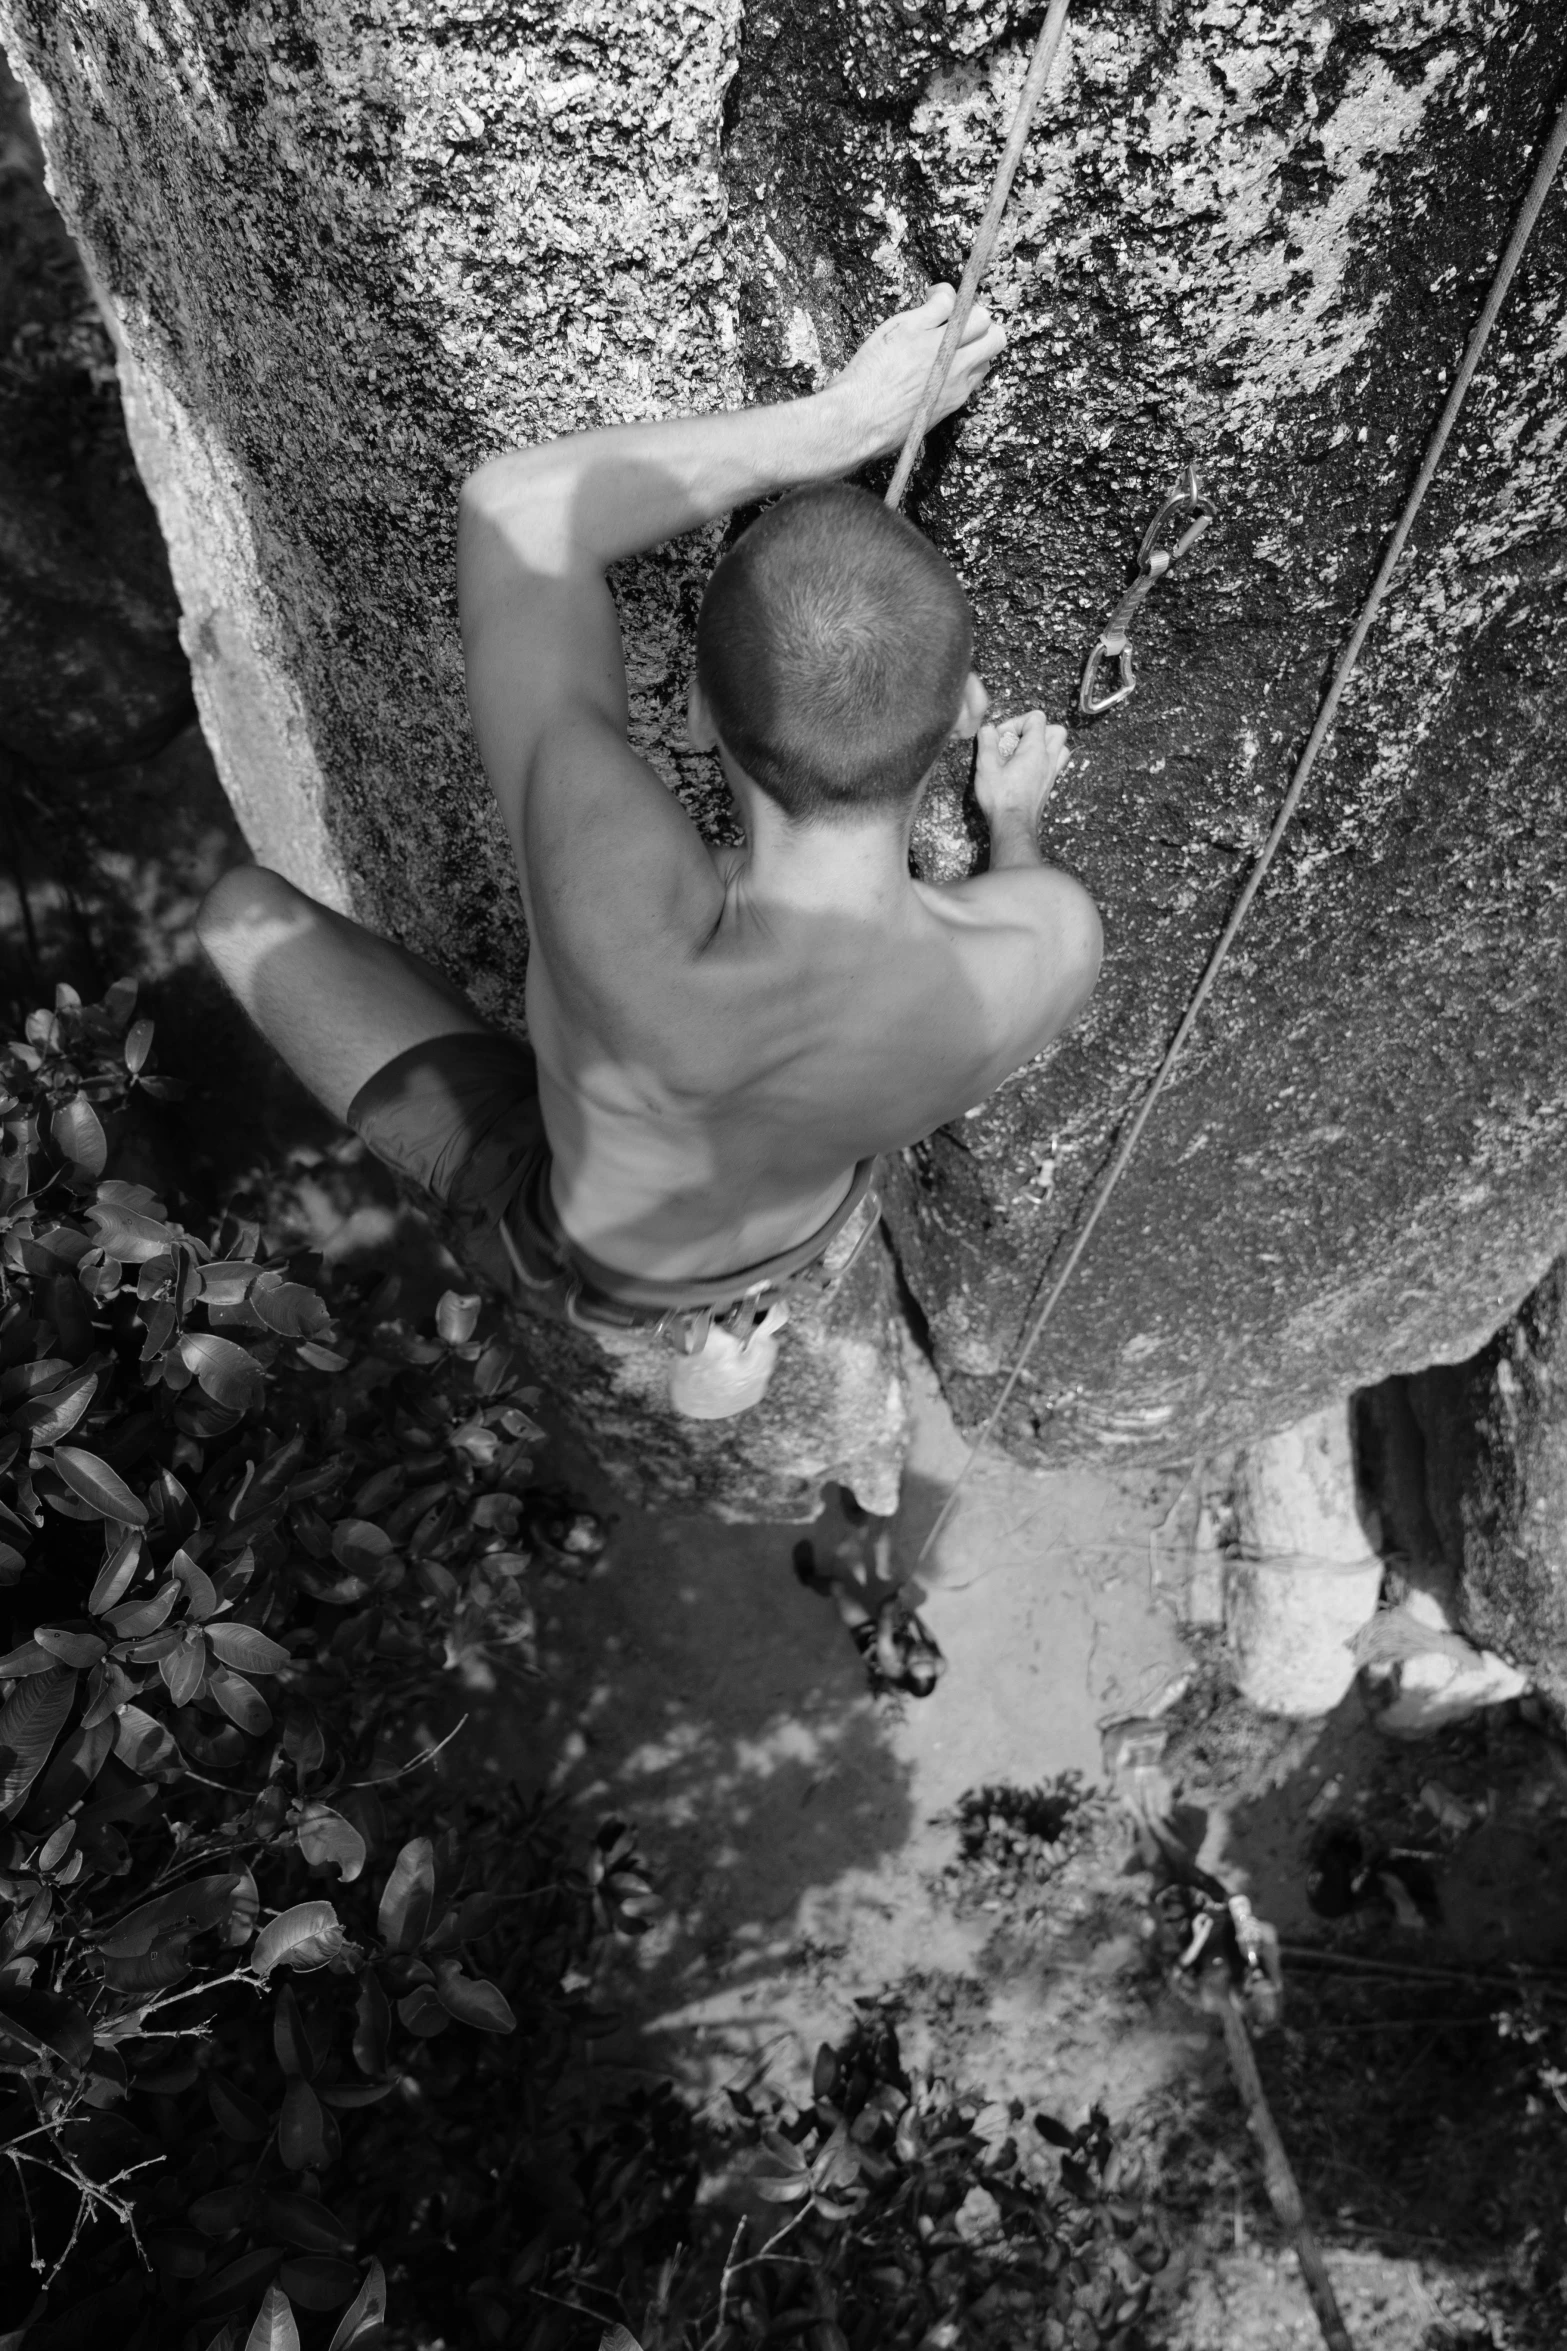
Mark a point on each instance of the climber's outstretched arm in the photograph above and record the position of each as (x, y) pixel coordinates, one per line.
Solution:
(538, 529)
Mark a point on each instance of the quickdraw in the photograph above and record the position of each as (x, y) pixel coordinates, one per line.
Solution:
(1153, 561)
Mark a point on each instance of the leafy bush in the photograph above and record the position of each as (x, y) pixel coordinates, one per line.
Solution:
(273, 2002)
(913, 2226)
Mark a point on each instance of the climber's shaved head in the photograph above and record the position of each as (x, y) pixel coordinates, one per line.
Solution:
(832, 648)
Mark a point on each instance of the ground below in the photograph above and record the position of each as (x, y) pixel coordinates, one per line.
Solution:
(956, 1863)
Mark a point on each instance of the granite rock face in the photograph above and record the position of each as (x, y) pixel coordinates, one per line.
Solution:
(355, 245)
(91, 671)
(1495, 1432)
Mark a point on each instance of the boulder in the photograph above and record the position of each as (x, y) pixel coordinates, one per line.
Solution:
(1304, 1578)
(1495, 1431)
(91, 671)
(351, 252)
(1420, 1675)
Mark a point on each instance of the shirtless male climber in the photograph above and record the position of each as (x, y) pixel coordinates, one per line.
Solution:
(721, 1042)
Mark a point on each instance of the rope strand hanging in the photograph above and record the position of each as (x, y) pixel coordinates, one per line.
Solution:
(978, 262)
(1523, 228)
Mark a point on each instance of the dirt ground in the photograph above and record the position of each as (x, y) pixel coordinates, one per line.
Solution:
(812, 1846)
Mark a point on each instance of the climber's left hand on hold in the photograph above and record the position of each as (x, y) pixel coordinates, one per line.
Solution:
(884, 379)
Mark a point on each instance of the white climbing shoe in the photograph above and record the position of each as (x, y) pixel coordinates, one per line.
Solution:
(727, 1375)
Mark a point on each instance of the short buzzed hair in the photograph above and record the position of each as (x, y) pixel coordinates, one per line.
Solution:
(831, 649)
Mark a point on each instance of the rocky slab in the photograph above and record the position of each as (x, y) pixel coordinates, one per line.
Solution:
(353, 251)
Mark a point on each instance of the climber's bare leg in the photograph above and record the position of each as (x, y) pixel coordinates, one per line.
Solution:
(335, 1000)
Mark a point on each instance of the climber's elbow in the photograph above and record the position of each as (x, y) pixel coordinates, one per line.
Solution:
(1069, 948)
(517, 510)
(1082, 946)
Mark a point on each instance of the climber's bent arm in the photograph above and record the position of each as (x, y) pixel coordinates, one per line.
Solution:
(536, 532)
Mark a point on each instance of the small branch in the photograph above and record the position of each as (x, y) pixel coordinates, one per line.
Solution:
(36, 2261)
(769, 2251)
(725, 2282)
(238, 1975)
(426, 1755)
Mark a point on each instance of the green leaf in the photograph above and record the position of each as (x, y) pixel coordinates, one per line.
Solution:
(126, 1233)
(134, 1619)
(404, 1913)
(221, 2212)
(290, 2040)
(290, 1308)
(237, 2114)
(240, 1700)
(270, 1482)
(242, 1646)
(325, 1837)
(304, 1741)
(47, 1419)
(31, 1657)
(422, 2012)
(116, 1575)
(495, 1369)
(473, 2000)
(307, 1936)
(321, 1358)
(184, 1911)
(775, 2191)
(318, 2281)
(350, 2096)
(228, 2288)
(142, 1744)
(152, 1648)
(138, 1044)
(185, 1669)
(201, 1595)
(42, 2021)
(305, 2222)
(78, 1132)
(372, 2025)
(301, 2129)
(274, 2328)
(79, 1649)
(30, 1722)
(360, 1545)
(99, 1486)
(228, 1373)
(457, 1315)
(366, 2312)
(12, 2338)
(155, 1971)
(226, 1281)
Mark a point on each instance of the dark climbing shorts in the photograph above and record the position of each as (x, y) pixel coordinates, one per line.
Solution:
(460, 1118)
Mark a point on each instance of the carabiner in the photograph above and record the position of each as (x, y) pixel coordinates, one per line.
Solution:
(1153, 561)
(1089, 701)
(1186, 497)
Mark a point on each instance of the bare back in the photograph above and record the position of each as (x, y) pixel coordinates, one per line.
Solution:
(722, 1037)
(707, 1101)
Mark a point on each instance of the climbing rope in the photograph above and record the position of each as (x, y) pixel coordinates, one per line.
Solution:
(1529, 213)
(978, 261)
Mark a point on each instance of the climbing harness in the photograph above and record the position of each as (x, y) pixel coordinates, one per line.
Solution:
(1529, 212)
(1186, 504)
(1039, 65)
